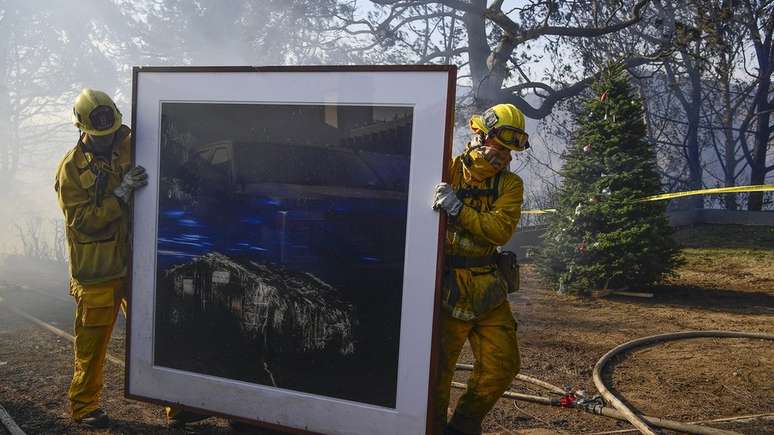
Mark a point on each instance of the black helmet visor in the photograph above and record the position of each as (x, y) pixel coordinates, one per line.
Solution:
(102, 118)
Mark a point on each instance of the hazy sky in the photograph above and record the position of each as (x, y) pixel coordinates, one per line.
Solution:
(32, 195)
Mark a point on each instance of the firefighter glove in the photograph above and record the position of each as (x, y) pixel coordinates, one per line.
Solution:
(446, 199)
(134, 179)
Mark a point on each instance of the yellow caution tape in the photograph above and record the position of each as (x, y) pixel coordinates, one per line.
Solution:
(546, 211)
(735, 189)
(756, 188)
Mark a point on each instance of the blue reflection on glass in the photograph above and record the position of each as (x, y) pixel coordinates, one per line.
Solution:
(267, 201)
(252, 221)
(192, 236)
(188, 223)
(173, 213)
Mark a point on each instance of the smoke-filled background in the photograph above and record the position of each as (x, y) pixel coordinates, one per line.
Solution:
(702, 67)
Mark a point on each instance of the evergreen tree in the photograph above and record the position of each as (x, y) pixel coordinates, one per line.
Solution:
(601, 236)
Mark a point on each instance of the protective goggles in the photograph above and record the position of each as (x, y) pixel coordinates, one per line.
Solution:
(511, 137)
(102, 118)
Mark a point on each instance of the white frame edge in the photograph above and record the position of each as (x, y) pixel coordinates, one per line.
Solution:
(426, 92)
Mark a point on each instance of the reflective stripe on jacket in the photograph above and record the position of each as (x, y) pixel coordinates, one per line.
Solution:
(97, 229)
(484, 223)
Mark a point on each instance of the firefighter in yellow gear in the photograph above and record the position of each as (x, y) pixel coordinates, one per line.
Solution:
(94, 185)
(483, 202)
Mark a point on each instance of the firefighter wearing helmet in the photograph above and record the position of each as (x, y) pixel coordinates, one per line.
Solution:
(483, 202)
(94, 185)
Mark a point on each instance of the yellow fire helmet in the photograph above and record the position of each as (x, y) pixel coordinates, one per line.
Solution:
(504, 123)
(95, 113)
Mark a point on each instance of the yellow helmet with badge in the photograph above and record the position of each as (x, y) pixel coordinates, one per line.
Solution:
(95, 113)
(504, 123)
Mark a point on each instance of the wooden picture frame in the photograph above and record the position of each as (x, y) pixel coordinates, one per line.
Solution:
(286, 264)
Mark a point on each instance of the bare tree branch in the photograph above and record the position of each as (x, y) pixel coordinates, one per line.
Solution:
(556, 95)
(514, 31)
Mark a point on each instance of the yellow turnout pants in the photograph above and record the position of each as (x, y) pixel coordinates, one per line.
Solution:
(95, 315)
(495, 348)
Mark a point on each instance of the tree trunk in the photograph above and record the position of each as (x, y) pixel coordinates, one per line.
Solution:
(762, 132)
(758, 166)
(694, 155)
(693, 113)
(729, 154)
(475, 27)
(5, 135)
(5, 107)
(764, 54)
(690, 102)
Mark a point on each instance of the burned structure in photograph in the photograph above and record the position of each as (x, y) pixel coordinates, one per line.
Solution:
(281, 239)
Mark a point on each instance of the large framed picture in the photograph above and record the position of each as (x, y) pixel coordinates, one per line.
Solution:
(285, 264)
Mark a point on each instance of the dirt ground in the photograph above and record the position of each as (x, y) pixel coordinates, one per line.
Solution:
(727, 283)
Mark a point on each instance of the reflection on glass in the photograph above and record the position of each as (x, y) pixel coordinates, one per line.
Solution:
(281, 245)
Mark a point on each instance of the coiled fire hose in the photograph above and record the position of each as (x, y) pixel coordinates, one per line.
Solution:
(619, 410)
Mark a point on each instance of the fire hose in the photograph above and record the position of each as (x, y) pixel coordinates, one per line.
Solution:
(619, 410)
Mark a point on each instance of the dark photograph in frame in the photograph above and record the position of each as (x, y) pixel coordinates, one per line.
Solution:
(281, 238)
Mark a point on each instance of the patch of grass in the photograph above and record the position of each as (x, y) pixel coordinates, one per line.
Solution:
(727, 268)
(726, 257)
(726, 236)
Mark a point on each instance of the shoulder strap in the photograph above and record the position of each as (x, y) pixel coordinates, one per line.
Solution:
(496, 186)
(493, 190)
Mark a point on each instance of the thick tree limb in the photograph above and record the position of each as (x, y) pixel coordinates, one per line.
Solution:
(556, 95)
(456, 4)
(519, 36)
(529, 85)
(442, 53)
